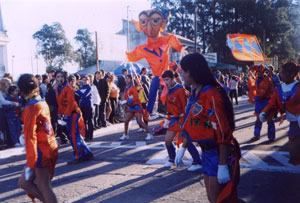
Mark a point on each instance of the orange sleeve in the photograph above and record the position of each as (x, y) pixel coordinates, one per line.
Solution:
(174, 42)
(30, 126)
(70, 101)
(264, 89)
(222, 127)
(182, 99)
(136, 55)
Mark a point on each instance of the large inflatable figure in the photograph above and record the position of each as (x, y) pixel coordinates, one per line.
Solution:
(156, 49)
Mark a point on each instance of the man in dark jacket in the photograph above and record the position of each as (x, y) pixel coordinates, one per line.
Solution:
(103, 90)
(121, 82)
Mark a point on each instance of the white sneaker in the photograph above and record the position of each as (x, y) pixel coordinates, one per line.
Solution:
(124, 137)
(141, 130)
(149, 136)
(194, 167)
(168, 164)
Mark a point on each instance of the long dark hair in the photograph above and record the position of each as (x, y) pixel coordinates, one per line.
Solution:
(199, 71)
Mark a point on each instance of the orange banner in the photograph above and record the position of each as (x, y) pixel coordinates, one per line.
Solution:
(245, 47)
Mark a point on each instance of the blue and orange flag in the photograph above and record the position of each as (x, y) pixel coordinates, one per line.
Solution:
(245, 47)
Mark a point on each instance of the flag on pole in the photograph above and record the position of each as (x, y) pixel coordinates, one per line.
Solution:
(245, 47)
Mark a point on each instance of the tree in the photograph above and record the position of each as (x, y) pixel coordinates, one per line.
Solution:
(277, 20)
(86, 53)
(53, 45)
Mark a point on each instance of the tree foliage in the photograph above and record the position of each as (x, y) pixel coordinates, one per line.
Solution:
(86, 53)
(53, 45)
(278, 19)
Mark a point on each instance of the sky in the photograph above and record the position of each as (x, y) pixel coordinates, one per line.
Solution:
(22, 18)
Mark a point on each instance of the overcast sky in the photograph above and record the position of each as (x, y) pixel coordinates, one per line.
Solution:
(22, 18)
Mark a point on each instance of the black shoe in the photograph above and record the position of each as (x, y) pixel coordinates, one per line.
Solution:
(74, 161)
(253, 139)
(88, 157)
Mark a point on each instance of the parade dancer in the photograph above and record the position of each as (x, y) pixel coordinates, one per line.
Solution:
(40, 144)
(156, 50)
(70, 114)
(134, 108)
(176, 102)
(264, 91)
(286, 99)
(209, 120)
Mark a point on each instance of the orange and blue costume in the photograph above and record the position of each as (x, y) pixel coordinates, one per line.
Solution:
(176, 102)
(264, 91)
(156, 50)
(40, 143)
(133, 101)
(288, 101)
(205, 122)
(70, 112)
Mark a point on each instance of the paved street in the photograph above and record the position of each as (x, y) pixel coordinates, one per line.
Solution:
(132, 171)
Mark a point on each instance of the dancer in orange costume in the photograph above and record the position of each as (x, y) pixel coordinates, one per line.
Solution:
(156, 50)
(40, 143)
(135, 108)
(264, 91)
(176, 102)
(286, 99)
(69, 112)
(209, 120)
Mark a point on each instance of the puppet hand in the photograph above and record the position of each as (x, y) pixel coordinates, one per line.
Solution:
(179, 156)
(223, 174)
(28, 173)
(125, 61)
(262, 117)
(123, 102)
(61, 122)
(183, 52)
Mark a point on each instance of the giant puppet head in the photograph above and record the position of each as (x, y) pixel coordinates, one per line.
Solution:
(151, 22)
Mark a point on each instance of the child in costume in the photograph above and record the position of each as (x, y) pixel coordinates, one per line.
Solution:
(134, 108)
(40, 143)
(70, 114)
(176, 102)
(264, 91)
(209, 120)
(286, 99)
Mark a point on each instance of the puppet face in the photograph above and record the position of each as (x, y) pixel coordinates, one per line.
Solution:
(151, 22)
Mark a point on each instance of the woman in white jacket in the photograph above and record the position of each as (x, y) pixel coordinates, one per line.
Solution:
(95, 100)
(4, 85)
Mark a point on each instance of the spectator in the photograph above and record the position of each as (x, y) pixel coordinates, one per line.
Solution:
(4, 85)
(43, 86)
(145, 81)
(85, 94)
(77, 84)
(113, 97)
(13, 115)
(103, 90)
(121, 82)
(39, 78)
(233, 85)
(95, 101)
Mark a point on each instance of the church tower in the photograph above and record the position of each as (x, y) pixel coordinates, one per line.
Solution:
(3, 49)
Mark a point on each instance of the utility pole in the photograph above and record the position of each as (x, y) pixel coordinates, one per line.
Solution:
(195, 20)
(128, 33)
(97, 60)
(37, 64)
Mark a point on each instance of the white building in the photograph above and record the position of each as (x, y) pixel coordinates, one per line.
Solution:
(3, 49)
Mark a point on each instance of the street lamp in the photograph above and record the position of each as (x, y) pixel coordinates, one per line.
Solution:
(12, 65)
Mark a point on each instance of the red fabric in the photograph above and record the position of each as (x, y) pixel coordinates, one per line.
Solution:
(158, 63)
(292, 105)
(265, 88)
(66, 101)
(220, 130)
(38, 133)
(132, 91)
(18, 109)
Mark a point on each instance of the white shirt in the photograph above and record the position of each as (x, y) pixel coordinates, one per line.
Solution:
(95, 95)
